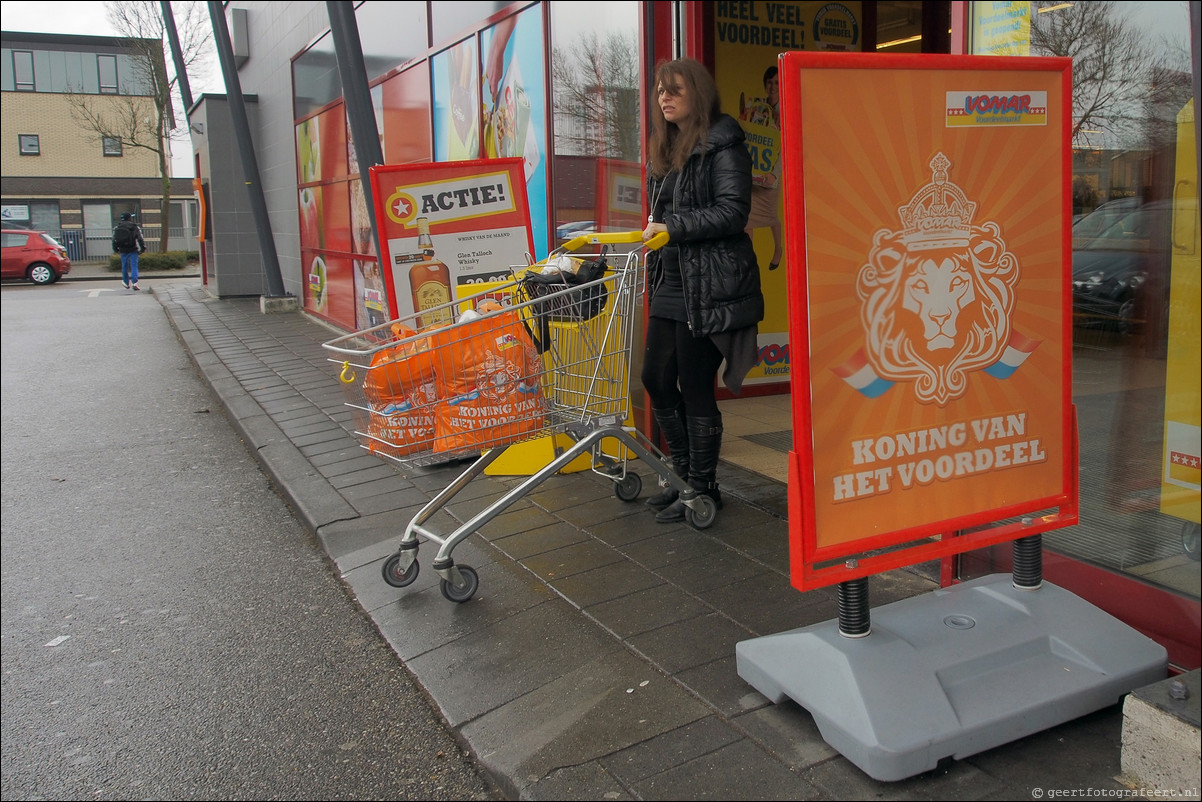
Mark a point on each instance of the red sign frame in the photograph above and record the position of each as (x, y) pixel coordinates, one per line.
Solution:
(928, 204)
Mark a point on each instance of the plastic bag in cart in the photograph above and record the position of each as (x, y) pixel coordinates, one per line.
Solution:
(488, 376)
(400, 389)
(550, 281)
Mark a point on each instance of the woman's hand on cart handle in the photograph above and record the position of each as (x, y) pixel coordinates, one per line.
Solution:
(655, 235)
(613, 238)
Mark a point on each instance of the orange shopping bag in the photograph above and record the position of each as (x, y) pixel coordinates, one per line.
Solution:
(401, 393)
(487, 374)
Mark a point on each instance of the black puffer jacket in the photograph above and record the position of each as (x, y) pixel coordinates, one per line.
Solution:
(709, 212)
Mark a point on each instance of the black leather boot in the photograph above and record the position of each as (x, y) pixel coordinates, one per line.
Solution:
(671, 423)
(705, 442)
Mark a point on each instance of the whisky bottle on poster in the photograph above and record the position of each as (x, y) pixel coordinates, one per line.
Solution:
(429, 280)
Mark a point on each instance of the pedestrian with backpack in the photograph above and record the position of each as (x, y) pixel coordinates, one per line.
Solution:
(127, 241)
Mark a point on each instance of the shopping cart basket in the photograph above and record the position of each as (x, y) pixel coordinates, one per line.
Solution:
(518, 359)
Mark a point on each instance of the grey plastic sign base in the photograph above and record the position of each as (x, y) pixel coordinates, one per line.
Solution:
(953, 673)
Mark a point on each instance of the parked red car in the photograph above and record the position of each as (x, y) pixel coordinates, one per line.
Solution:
(33, 255)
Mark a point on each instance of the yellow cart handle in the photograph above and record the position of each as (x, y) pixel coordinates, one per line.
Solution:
(615, 238)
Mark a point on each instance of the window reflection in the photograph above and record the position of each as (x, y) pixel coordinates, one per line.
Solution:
(315, 79)
(1135, 296)
(391, 34)
(595, 84)
(452, 18)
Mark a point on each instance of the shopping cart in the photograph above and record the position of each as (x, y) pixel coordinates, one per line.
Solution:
(519, 359)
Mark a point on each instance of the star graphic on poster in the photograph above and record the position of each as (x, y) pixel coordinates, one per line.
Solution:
(400, 207)
(1184, 459)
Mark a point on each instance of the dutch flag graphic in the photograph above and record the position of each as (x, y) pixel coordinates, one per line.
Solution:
(858, 373)
(1016, 353)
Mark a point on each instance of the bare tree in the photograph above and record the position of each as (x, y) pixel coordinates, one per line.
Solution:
(1112, 72)
(596, 95)
(141, 115)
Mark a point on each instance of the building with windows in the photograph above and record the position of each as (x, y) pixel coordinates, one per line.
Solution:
(60, 174)
(565, 87)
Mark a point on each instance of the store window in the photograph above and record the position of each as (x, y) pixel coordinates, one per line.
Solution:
(403, 112)
(513, 88)
(450, 18)
(1135, 276)
(489, 93)
(596, 118)
(337, 249)
(480, 92)
(391, 34)
(315, 79)
(455, 73)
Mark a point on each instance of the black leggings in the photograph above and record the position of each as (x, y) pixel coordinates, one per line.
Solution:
(669, 345)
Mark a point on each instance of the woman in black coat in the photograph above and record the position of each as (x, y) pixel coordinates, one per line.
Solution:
(705, 283)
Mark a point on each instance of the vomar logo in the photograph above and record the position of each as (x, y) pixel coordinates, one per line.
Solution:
(773, 359)
(993, 109)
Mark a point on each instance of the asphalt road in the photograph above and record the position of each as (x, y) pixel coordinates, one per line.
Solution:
(170, 630)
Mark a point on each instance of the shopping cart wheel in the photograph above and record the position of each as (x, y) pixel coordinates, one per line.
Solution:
(393, 574)
(628, 487)
(703, 515)
(461, 593)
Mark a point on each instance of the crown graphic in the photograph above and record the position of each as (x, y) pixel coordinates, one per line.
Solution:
(939, 215)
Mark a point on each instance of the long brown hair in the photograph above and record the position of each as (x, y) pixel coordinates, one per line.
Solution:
(671, 144)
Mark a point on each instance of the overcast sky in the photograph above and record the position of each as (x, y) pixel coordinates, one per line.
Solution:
(67, 17)
(88, 18)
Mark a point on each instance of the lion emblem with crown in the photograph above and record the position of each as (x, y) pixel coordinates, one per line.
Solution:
(936, 295)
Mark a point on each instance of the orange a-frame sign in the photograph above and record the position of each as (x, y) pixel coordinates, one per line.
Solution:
(927, 201)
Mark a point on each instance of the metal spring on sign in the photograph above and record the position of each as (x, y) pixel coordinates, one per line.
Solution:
(854, 614)
(1028, 562)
